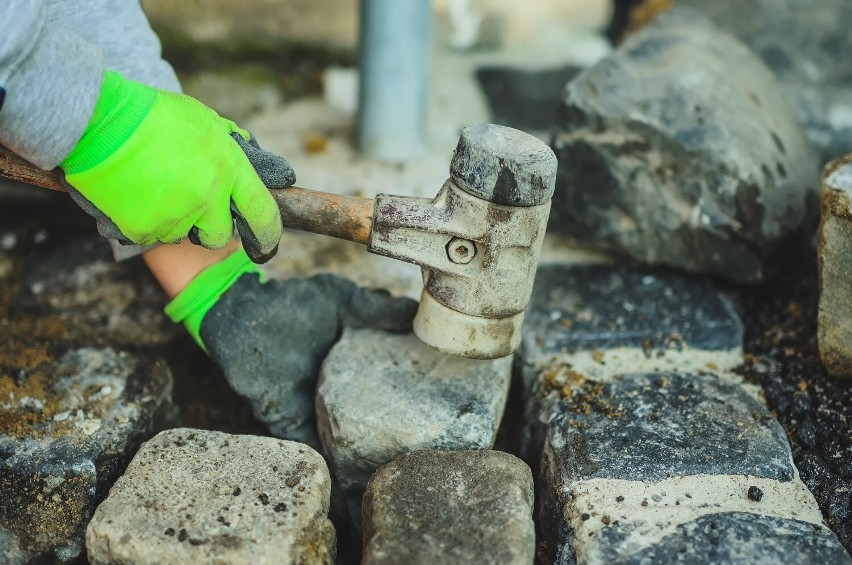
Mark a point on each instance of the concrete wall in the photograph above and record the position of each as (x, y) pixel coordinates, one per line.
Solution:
(335, 22)
(330, 22)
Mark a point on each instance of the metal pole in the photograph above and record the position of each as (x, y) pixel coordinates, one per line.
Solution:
(396, 37)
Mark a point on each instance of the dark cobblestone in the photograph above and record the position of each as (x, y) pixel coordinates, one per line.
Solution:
(663, 426)
(599, 306)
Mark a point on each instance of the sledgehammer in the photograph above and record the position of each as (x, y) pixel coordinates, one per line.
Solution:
(478, 241)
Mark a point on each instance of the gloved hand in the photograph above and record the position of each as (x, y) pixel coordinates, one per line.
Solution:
(270, 338)
(157, 166)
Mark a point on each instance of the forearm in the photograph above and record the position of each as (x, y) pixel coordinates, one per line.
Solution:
(51, 78)
(174, 266)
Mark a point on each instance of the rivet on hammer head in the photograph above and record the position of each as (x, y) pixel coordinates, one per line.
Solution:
(461, 251)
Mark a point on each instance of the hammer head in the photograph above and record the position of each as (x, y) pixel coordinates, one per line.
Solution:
(478, 241)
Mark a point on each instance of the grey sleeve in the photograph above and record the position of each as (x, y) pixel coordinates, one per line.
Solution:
(120, 29)
(52, 57)
(51, 78)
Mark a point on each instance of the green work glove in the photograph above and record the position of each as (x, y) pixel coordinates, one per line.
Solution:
(270, 338)
(157, 166)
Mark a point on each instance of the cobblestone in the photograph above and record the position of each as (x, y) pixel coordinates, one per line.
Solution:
(834, 252)
(194, 496)
(450, 507)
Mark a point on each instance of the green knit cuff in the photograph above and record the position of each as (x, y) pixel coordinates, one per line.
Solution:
(191, 305)
(121, 107)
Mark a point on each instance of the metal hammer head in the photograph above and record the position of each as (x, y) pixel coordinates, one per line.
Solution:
(478, 241)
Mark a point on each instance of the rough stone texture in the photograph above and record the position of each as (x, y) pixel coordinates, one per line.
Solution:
(680, 149)
(450, 507)
(196, 496)
(735, 537)
(67, 429)
(835, 256)
(504, 165)
(806, 44)
(661, 425)
(599, 306)
(85, 360)
(381, 395)
(653, 318)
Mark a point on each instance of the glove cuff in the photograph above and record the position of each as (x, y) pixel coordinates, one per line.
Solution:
(191, 305)
(121, 107)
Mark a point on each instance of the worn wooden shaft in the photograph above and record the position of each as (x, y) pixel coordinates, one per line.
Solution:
(17, 169)
(344, 217)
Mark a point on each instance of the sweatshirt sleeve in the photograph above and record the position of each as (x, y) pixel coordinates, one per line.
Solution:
(50, 79)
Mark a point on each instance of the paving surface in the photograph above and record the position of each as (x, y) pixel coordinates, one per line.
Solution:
(661, 368)
(89, 368)
(659, 459)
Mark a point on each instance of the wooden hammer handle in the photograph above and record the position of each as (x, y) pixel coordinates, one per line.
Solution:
(344, 217)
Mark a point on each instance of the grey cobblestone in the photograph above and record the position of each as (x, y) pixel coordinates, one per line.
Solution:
(736, 537)
(450, 507)
(834, 252)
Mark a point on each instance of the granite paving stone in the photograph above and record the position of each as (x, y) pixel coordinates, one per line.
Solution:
(603, 307)
(734, 537)
(662, 425)
(197, 496)
(586, 323)
(450, 507)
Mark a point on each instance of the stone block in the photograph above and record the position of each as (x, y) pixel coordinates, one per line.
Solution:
(381, 395)
(661, 425)
(835, 268)
(646, 444)
(680, 149)
(600, 307)
(450, 507)
(67, 429)
(726, 537)
(195, 496)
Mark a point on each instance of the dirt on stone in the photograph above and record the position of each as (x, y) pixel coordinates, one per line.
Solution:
(582, 394)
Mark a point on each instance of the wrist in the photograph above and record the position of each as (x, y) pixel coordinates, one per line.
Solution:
(121, 107)
(193, 303)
